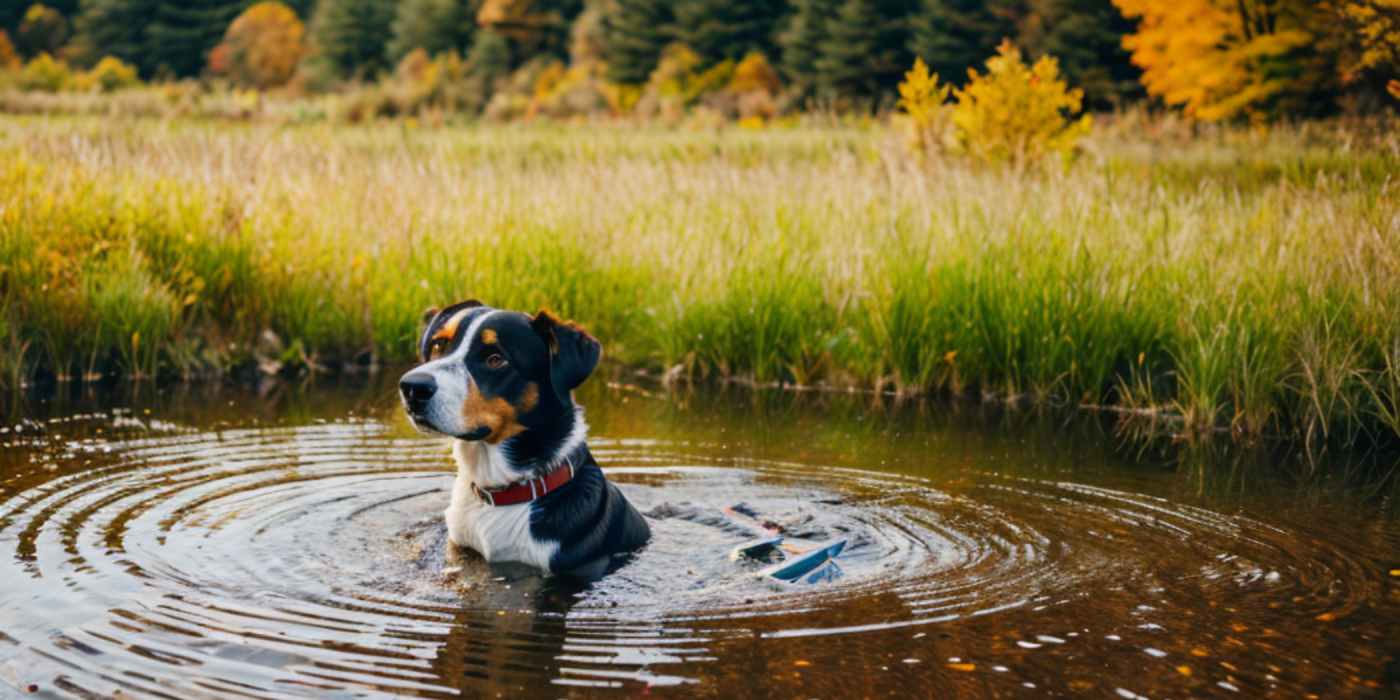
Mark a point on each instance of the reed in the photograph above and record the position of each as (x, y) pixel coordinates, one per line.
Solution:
(1248, 281)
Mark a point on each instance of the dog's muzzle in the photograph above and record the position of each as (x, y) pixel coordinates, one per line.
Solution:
(417, 389)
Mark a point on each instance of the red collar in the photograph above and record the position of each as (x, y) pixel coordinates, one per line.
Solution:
(526, 491)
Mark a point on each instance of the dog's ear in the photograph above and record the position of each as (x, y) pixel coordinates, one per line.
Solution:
(428, 315)
(573, 353)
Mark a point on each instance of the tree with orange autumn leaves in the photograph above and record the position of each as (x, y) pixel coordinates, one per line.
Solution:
(1220, 59)
(261, 47)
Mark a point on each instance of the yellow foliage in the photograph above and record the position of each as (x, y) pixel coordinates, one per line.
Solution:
(621, 99)
(677, 75)
(548, 81)
(416, 68)
(109, 75)
(45, 74)
(922, 99)
(1213, 58)
(1018, 113)
(566, 92)
(1377, 27)
(755, 74)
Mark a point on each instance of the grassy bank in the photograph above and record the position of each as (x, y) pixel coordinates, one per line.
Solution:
(1245, 280)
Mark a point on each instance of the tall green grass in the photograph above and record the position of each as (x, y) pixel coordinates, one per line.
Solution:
(1247, 281)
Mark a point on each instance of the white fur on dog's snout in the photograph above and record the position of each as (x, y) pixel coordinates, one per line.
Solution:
(443, 412)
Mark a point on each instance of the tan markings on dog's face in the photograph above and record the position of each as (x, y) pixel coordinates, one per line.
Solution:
(529, 399)
(488, 337)
(501, 416)
(449, 329)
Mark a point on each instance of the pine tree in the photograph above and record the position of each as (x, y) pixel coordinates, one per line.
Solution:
(952, 36)
(181, 34)
(636, 32)
(489, 58)
(800, 41)
(113, 28)
(717, 30)
(303, 8)
(433, 25)
(351, 35)
(1087, 38)
(864, 53)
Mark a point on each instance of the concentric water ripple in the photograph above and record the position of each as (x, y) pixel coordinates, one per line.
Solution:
(295, 562)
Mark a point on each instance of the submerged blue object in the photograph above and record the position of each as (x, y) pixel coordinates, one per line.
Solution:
(806, 563)
(830, 571)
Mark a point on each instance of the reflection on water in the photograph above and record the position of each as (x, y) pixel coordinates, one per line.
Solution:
(212, 542)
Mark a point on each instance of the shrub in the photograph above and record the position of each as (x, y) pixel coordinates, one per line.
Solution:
(45, 74)
(753, 90)
(109, 75)
(1018, 113)
(680, 80)
(922, 99)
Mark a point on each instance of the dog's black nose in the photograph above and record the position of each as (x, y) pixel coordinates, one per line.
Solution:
(417, 388)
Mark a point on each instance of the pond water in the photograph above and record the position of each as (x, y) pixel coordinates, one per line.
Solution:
(227, 542)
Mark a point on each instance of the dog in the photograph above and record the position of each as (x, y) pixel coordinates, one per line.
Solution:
(500, 384)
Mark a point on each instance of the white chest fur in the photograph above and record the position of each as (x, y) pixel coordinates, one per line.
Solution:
(498, 533)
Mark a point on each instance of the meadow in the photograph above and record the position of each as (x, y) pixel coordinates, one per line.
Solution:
(1216, 278)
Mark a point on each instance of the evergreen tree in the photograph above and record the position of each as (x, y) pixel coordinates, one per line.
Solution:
(806, 28)
(1087, 37)
(433, 25)
(636, 32)
(955, 35)
(303, 8)
(181, 34)
(113, 28)
(351, 35)
(717, 30)
(864, 51)
(489, 58)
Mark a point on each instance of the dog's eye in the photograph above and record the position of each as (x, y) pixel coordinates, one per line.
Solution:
(495, 362)
(436, 347)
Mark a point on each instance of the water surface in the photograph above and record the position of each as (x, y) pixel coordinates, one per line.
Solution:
(217, 541)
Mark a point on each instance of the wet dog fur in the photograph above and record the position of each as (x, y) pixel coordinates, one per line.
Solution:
(500, 384)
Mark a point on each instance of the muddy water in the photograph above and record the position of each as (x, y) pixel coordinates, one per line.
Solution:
(219, 542)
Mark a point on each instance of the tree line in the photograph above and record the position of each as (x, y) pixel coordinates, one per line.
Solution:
(1212, 58)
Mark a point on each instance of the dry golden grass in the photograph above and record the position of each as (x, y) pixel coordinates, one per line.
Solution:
(1249, 280)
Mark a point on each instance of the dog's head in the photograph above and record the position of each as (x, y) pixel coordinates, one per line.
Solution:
(490, 375)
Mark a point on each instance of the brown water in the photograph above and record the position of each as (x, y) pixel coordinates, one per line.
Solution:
(209, 541)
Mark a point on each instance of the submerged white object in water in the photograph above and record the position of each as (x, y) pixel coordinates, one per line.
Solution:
(810, 567)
